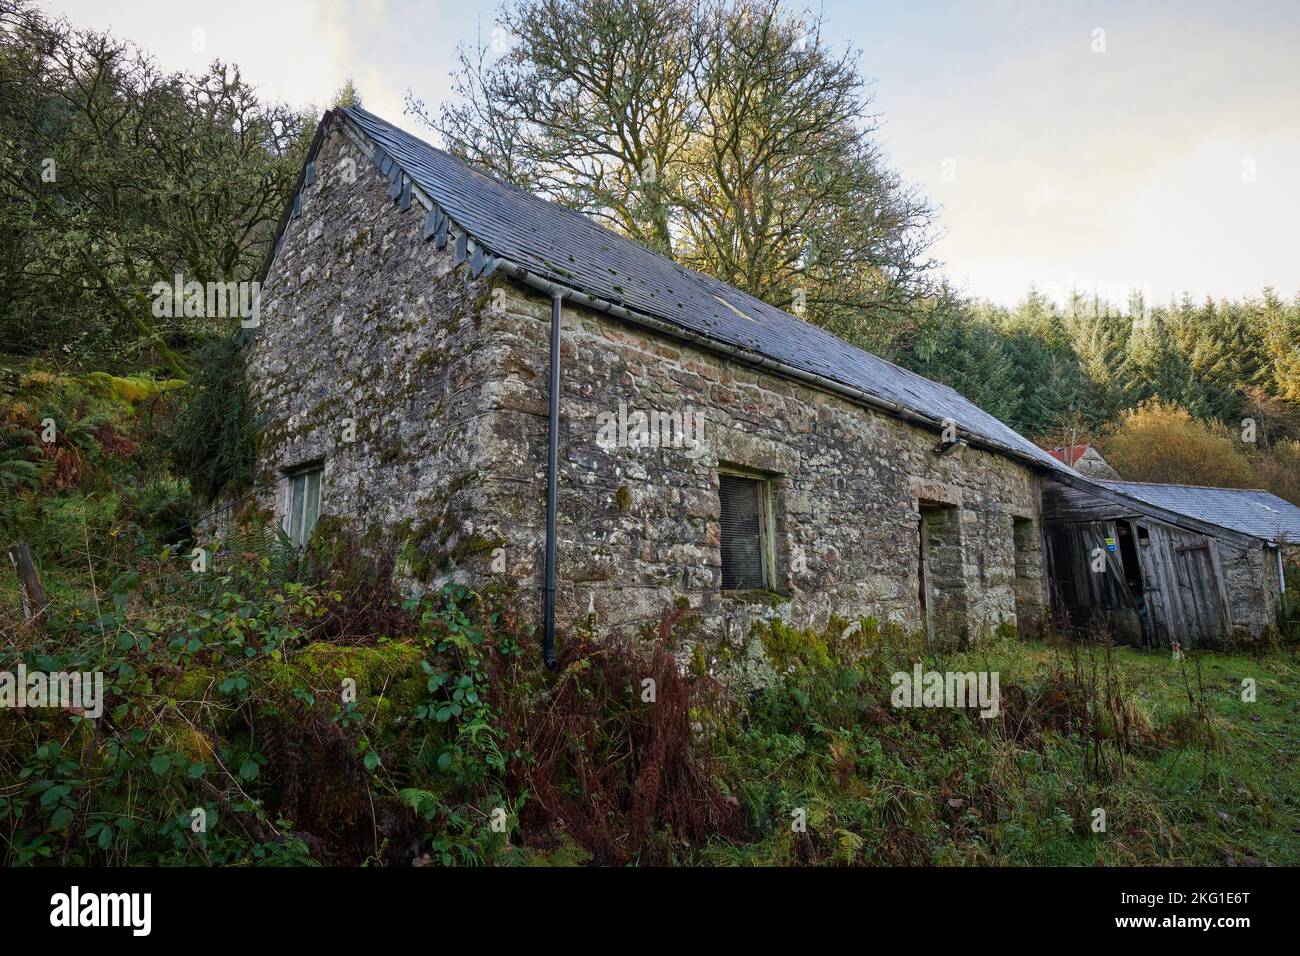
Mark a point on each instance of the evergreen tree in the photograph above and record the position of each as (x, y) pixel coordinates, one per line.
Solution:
(958, 348)
(1160, 371)
(347, 95)
(1280, 323)
(1052, 385)
(1226, 357)
(1101, 343)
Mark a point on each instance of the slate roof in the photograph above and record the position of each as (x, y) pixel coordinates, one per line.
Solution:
(566, 247)
(1249, 511)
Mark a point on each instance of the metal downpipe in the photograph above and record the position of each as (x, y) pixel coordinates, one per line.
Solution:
(552, 469)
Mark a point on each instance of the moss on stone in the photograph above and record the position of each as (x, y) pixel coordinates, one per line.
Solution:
(460, 482)
(129, 389)
(840, 643)
(764, 596)
(428, 549)
(470, 546)
(387, 674)
(359, 240)
(566, 854)
(329, 539)
(426, 361)
(699, 666)
(788, 647)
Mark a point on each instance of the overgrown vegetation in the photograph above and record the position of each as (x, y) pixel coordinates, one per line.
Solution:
(212, 441)
(73, 478)
(1163, 443)
(115, 176)
(1183, 770)
(286, 708)
(246, 721)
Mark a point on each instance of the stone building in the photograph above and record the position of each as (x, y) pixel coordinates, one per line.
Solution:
(706, 445)
(1087, 460)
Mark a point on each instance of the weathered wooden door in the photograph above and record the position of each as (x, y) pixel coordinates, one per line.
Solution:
(1204, 615)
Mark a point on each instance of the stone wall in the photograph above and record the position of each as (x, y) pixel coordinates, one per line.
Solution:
(367, 360)
(639, 526)
(1093, 465)
(1031, 583)
(443, 380)
(1254, 590)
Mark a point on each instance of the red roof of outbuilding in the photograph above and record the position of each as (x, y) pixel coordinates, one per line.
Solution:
(1069, 455)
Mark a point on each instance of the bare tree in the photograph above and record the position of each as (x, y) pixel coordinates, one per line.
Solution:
(591, 107)
(724, 133)
(788, 195)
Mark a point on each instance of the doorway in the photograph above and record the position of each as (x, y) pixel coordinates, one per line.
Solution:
(940, 573)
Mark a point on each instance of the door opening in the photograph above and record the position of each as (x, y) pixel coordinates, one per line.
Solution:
(1132, 564)
(942, 573)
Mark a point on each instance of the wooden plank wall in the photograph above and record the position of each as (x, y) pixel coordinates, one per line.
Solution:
(1085, 597)
(1184, 587)
(1061, 503)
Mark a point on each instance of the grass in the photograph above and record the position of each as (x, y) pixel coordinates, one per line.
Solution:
(1197, 776)
(1234, 798)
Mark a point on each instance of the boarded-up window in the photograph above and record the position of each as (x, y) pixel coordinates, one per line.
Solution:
(304, 504)
(744, 532)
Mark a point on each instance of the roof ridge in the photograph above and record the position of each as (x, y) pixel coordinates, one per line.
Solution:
(650, 283)
(587, 220)
(484, 173)
(686, 270)
(1177, 484)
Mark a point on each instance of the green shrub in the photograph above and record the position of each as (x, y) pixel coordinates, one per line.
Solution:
(213, 442)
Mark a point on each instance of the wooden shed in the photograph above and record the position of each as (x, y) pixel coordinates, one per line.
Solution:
(1157, 564)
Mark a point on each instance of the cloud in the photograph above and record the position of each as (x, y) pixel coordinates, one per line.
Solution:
(1116, 166)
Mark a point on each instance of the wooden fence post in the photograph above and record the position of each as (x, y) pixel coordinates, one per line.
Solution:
(29, 582)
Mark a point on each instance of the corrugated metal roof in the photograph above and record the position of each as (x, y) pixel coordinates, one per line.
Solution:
(568, 248)
(1250, 511)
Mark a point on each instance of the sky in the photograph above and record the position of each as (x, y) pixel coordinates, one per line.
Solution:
(1114, 147)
